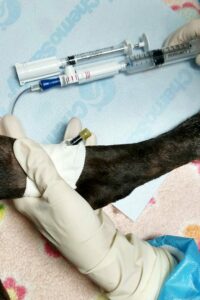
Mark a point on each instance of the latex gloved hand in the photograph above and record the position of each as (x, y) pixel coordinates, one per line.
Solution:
(125, 269)
(69, 160)
(42, 214)
(184, 34)
(11, 126)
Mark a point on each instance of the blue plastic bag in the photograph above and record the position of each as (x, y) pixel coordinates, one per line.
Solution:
(184, 281)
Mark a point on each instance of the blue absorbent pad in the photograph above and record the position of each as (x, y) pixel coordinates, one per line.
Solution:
(184, 281)
(123, 109)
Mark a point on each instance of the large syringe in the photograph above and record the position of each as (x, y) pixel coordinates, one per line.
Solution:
(163, 57)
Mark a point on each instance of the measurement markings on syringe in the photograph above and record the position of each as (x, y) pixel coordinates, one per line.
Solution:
(177, 50)
(141, 58)
(94, 53)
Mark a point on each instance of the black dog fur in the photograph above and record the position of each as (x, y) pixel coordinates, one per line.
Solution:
(112, 172)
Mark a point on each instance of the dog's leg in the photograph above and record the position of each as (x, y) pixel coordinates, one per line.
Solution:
(12, 177)
(112, 172)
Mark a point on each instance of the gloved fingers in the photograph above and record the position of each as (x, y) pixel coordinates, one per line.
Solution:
(198, 60)
(64, 204)
(73, 128)
(35, 163)
(36, 210)
(92, 140)
(184, 34)
(30, 207)
(11, 126)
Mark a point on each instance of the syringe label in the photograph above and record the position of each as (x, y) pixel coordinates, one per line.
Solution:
(87, 75)
(65, 80)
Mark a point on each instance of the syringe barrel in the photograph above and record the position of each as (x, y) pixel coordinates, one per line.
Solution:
(99, 72)
(96, 54)
(92, 73)
(182, 52)
(162, 57)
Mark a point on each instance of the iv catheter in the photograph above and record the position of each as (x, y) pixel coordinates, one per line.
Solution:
(53, 72)
(82, 136)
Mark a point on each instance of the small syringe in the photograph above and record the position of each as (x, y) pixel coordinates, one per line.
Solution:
(124, 48)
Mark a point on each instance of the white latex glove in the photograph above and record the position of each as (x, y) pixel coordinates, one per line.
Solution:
(68, 160)
(10, 126)
(184, 34)
(125, 269)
